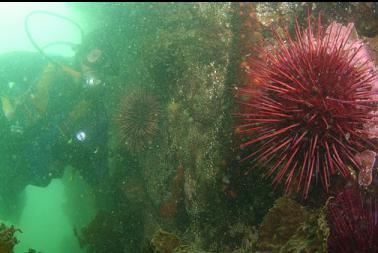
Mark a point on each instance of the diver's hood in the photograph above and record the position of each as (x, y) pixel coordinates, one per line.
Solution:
(97, 53)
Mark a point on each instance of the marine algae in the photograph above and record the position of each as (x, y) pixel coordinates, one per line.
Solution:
(289, 227)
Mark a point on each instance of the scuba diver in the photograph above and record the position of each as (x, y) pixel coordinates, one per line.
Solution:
(53, 115)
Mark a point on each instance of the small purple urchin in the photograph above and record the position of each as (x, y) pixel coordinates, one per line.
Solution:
(309, 101)
(138, 119)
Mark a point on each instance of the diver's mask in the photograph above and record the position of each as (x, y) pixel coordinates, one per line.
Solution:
(93, 66)
(97, 59)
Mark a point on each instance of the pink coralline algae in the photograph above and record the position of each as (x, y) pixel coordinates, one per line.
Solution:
(362, 58)
(372, 126)
(362, 55)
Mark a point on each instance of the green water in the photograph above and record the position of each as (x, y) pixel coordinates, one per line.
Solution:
(44, 224)
(134, 127)
(51, 212)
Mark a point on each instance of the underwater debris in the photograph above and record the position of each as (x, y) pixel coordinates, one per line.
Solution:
(289, 227)
(165, 242)
(304, 111)
(7, 238)
(138, 119)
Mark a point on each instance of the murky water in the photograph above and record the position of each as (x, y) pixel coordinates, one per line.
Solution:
(188, 127)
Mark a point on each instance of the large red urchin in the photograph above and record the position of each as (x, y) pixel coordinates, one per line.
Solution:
(353, 222)
(307, 105)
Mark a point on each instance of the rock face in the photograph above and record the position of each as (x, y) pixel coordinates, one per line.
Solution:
(187, 180)
(289, 227)
(181, 54)
(187, 61)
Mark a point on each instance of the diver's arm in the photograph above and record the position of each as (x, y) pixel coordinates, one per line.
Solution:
(40, 95)
(35, 102)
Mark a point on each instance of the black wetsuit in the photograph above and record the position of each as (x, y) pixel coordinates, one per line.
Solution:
(34, 153)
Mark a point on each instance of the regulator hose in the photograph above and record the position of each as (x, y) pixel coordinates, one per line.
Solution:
(35, 44)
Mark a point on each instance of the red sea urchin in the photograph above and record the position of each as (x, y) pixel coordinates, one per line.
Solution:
(353, 222)
(306, 108)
